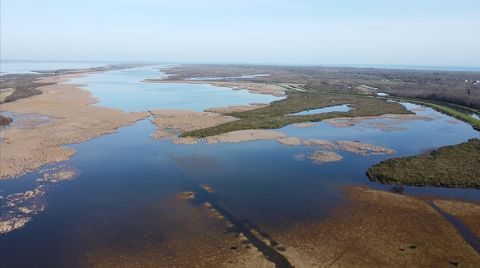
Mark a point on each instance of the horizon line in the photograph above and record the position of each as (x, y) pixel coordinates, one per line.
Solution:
(354, 65)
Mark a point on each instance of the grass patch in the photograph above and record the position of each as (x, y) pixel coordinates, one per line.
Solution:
(275, 115)
(449, 166)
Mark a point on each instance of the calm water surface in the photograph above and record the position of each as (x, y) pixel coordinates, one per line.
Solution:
(123, 174)
(336, 108)
(125, 90)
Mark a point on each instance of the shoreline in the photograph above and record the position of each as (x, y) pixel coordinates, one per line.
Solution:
(170, 124)
(70, 107)
(252, 87)
(57, 98)
(73, 119)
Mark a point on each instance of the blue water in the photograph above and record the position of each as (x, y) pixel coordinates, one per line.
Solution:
(126, 176)
(407, 137)
(336, 108)
(125, 90)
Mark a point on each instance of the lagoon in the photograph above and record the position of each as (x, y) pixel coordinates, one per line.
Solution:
(127, 180)
(125, 89)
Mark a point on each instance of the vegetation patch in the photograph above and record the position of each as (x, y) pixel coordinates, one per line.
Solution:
(457, 87)
(17, 86)
(187, 195)
(449, 166)
(276, 114)
(4, 120)
(325, 157)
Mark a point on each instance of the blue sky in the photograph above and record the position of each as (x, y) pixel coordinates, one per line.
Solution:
(407, 32)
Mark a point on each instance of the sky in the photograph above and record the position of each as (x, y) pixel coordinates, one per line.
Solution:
(303, 32)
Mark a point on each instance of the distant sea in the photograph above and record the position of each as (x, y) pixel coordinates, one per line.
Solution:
(24, 66)
(9, 67)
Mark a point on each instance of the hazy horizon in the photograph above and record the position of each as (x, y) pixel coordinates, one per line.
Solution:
(474, 68)
(430, 33)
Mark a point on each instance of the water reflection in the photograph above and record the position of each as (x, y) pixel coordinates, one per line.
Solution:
(124, 89)
(336, 108)
(124, 194)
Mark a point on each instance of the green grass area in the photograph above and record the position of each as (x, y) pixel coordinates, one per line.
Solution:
(276, 114)
(449, 166)
(453, 110)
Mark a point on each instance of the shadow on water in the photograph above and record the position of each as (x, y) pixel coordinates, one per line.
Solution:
(240, 226)
(463, 229)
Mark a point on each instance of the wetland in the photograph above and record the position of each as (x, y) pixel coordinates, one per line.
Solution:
(174, 166)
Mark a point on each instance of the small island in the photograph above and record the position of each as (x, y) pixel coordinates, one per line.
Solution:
(449, 166)
(4, 120)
